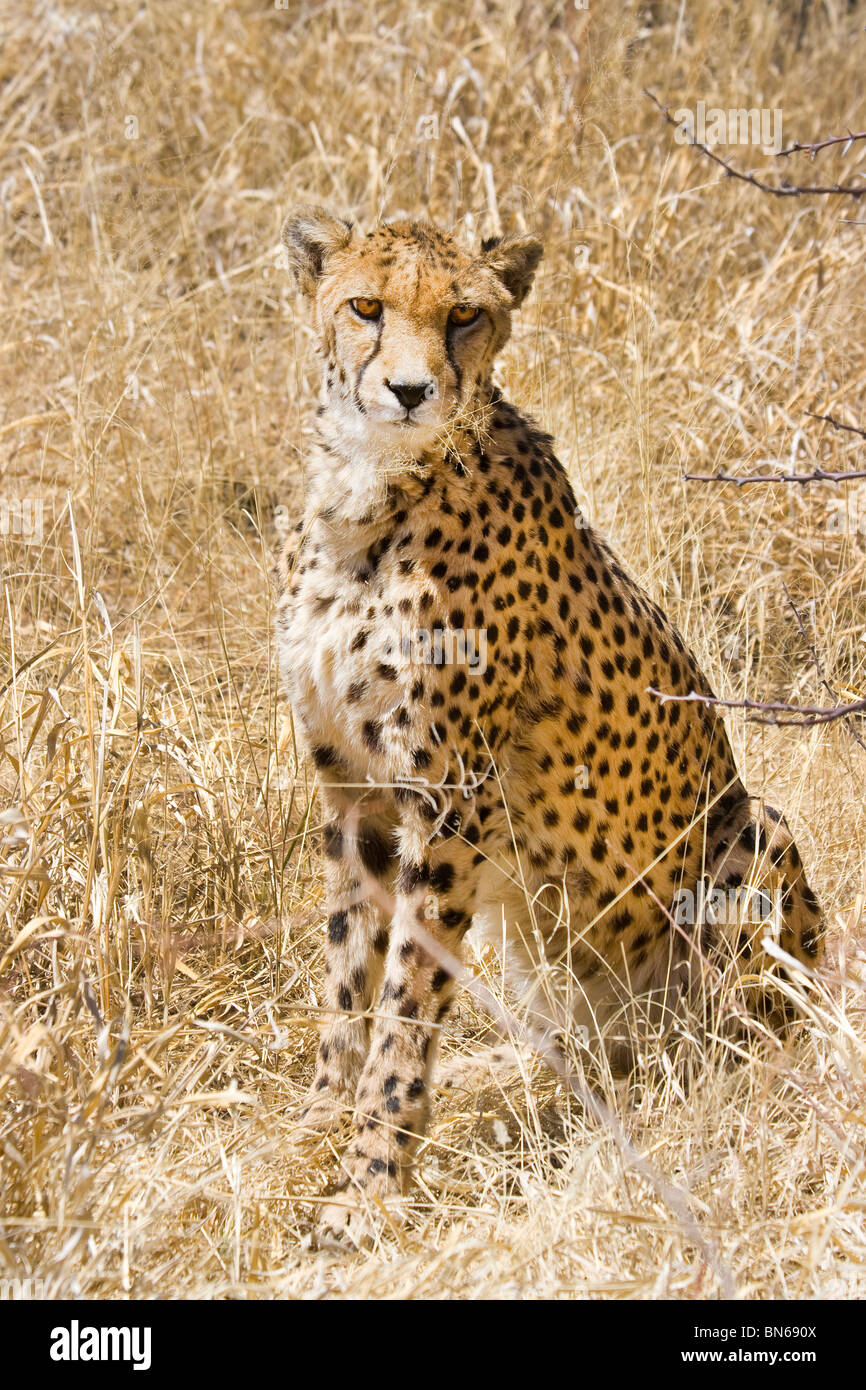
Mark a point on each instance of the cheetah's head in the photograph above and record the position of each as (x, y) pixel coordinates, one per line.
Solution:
(409, 321)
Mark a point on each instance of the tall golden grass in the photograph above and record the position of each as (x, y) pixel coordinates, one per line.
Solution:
(160, 894)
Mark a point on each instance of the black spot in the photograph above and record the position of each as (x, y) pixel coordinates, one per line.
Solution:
(411, 876)
(372, 735)
(325, 756)
(373, 849)
(333, 841)
(442, 877)
(338, 926)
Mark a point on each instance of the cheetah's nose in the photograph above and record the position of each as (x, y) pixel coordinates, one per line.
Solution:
(411, 393)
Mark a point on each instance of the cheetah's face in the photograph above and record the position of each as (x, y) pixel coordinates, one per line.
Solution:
(409, 321)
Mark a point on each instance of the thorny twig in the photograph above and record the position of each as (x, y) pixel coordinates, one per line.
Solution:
(421, 786)
(838, 424)
(818, 476)
(822, 144)
(806, 715)
(783, 190)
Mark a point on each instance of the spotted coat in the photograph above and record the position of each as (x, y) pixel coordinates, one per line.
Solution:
(524, 781)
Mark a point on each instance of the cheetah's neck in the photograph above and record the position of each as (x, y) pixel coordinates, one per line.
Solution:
(359, 473)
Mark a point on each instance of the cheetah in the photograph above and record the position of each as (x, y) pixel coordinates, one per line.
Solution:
(471, 670)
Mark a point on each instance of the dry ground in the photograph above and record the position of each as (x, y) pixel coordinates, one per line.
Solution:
(160, 894)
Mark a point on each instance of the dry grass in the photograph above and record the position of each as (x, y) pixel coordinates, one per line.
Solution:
(160, 896)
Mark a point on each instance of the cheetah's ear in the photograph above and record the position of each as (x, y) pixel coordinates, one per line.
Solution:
(310, 235)
(514, 259)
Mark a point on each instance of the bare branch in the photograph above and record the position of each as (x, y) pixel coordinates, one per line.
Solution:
(806, 716)
(782, 190)
(819, 476)
(838, 424)
(822, 144)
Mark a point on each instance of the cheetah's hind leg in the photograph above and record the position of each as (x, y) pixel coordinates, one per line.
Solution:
(496, 1059)
(758, 890)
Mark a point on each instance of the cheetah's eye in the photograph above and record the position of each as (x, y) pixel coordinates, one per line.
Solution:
(463, 314)
(367, 308)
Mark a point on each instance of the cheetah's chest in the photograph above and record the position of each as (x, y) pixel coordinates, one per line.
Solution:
(338, 643)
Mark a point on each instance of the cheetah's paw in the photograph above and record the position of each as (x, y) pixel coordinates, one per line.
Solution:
(319, 1123)
(356, 1221)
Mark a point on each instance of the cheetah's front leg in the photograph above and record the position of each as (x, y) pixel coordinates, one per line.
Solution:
(430, 919)
(355, 945)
